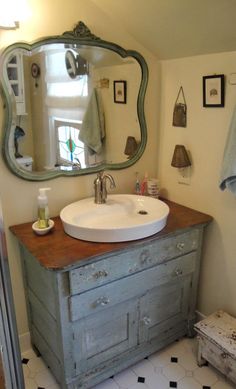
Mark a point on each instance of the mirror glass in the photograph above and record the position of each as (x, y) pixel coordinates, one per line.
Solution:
(72, 104)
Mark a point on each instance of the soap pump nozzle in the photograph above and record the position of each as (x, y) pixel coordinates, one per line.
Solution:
(42, 193)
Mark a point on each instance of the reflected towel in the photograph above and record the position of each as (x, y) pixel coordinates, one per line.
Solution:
(228, 170)
(93, 127)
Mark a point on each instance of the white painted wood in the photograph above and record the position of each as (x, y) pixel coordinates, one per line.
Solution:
(15, 76)
(217, 342)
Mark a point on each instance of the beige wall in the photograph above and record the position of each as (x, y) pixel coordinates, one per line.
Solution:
(122, 118)
(18, 196)
(205, 137)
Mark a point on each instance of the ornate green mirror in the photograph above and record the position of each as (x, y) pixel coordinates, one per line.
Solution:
(72, 104)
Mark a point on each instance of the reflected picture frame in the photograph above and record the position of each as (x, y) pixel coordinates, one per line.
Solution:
(120, 92)
(214, 90)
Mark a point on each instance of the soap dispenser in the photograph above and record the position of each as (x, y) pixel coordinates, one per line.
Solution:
(43, 213)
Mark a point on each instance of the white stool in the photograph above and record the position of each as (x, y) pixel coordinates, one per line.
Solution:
(217, 343)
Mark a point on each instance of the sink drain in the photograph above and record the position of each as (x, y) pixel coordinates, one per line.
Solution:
(142, 212)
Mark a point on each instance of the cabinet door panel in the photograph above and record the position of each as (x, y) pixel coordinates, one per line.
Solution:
(163, 308)
(104, 335)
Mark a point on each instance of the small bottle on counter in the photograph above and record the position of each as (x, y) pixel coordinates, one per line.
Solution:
(137, 185)
(43, 212)
(153, 187)
(144, 185)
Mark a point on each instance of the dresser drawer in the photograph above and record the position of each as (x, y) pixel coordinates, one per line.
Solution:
(121, 265)
(126, 288)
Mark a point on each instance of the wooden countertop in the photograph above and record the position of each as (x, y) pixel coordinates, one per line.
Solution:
(59, 251)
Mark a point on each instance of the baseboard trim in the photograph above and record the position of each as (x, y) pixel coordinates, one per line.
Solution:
(25, 343)
(199, 316)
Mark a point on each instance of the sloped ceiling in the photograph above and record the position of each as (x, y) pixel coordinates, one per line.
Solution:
(177, 28)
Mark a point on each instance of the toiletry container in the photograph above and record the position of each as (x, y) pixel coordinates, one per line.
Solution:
(43, 212)
(137, 190)
(153, 187)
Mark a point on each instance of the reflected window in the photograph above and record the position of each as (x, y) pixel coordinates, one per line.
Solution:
(70, 89)
(70, 150)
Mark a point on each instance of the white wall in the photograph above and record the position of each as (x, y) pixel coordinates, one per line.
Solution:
(205, 137)
(18, 196)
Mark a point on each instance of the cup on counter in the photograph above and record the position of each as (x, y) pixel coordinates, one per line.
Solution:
(153, 187)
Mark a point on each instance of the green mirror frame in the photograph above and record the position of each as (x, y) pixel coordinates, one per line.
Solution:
(79, 35)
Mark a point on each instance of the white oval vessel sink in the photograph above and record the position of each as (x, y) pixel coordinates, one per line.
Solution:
(123, 217)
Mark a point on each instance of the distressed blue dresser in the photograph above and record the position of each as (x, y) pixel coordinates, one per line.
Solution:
(96, 308)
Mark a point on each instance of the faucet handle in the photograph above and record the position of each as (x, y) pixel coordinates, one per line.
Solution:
(110, 178)
(112, 184)
(98, 178)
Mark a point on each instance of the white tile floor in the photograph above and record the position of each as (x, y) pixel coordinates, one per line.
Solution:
(172, 367)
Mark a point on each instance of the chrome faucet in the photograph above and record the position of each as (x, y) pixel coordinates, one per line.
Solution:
(100, 187)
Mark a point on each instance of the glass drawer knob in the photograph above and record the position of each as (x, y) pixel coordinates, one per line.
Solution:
(101, 301)
(146, 320)
(180, 246)
(145, 257)
(178, 272)
(100, 273)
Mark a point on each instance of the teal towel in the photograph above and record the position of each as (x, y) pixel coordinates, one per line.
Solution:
(228, 171)
(93, 127)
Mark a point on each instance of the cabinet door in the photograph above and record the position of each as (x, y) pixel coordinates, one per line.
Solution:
(164, 309)
(16, 81)
(104, 335)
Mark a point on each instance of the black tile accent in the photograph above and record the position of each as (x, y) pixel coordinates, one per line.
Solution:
(25, 361)
(146, 358)
(173, 384)
(141, 379)
(174, 359)
(206, 387)
(41, 387)
(112, 376)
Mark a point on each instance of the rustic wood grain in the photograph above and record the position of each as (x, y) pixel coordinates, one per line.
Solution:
(58, 251)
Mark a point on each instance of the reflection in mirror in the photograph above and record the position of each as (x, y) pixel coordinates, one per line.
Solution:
(76, 65)
(59, 92)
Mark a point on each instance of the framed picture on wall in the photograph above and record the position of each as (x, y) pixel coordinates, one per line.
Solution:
(120, 92)
(213, 90)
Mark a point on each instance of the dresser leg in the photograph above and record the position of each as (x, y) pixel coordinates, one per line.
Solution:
(190, 330)
(200, 360)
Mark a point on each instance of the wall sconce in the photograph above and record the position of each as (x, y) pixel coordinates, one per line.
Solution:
(8, 17)
(180, 159)
(131, 146)
(12, 12)
(6, 24)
